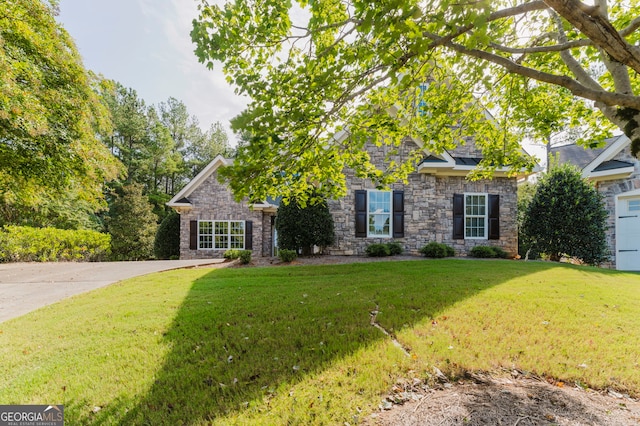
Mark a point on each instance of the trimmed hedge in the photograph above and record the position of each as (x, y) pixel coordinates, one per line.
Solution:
(437, 250)
(243, 255)
(488, 252)
(391, 248)
(26, 244)
(287, 255)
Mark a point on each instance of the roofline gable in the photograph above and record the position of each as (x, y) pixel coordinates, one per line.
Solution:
(611, 151)
(198, 180)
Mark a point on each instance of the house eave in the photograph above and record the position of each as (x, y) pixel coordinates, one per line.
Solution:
(180, 207)
(445, 169)
(265, 207)
(614, 174)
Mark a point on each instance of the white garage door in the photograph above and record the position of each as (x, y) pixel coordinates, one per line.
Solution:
(628, 235)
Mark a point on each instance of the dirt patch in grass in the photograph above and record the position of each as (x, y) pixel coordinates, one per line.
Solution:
(515, 401)
(482, 399)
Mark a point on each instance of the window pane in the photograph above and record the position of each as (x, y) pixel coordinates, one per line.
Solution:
(379, 224)
(205, 238)
(222, 227)
(222, 241)
(634, 205)
(237, 242)
(475, 216)
(205, 227)
(237, 228)
(379, 213)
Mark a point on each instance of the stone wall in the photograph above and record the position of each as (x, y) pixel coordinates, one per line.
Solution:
(428, 215)
(213, 200)
(609, 189)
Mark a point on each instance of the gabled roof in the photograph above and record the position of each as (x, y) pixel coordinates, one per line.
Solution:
(181, 201)
(597, 164)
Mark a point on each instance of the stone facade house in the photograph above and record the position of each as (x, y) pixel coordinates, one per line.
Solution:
(437, 203)
(616, 175)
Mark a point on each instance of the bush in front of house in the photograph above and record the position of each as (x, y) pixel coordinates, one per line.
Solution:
(567, 216)
(378, 250)
(245, 257)
(232, 254)
(287, 255)
(394, 248)
(167, 242)
(302, 225)
(384, 249)
(26, 244)
(488, 252)
(437, 250)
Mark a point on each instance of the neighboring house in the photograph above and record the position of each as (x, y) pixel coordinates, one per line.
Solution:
(437, 203)
(616, 175)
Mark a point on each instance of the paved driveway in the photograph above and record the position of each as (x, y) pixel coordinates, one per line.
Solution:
(25, 287)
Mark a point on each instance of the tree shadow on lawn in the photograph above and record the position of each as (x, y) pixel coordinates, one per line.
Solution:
(240, 334)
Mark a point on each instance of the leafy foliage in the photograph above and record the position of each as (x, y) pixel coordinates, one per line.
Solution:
(395, 248)
(245, 257)
(326, 79)
(304, 226)
(567, 216)
(132, 225)
(167, 242)
(437, 250)
(287, 255)
(526, 247)
(49, 115)
(26, 244)
(378, 250)
(488, 252)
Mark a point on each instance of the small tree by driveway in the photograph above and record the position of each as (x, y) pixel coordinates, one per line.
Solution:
(566, 216)
(132, 225)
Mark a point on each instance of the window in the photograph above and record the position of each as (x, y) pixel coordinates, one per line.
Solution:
(221, 234)
(475, 216)
(633, 205)
(205, 235)
(379, 214)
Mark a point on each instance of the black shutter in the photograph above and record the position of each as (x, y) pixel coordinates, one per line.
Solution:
(193, 235)
(248, 235)
(494, 217)
(398, 214)
(458, 216)
(361, 213)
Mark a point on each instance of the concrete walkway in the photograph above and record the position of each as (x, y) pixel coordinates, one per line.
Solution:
(25, 287)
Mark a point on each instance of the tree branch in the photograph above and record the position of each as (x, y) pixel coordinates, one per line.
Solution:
(574, 66)
(590, 22)
(607, 98)
(500, 14)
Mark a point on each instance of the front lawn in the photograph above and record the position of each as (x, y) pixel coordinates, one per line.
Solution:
(295, 344)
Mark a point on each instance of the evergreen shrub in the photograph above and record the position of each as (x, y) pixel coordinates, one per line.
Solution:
(437, 250)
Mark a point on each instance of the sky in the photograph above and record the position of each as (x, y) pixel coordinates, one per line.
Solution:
(145, 45)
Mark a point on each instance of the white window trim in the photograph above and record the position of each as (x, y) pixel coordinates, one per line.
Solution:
(229, 235)
(486, 215)
(370, 235)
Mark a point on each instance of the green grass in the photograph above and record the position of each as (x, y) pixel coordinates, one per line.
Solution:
(294, 345)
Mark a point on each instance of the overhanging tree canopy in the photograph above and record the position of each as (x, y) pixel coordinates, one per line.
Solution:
(389, 69)
(49, 114)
